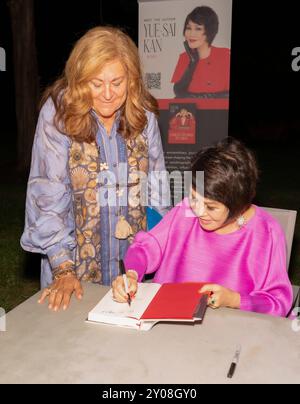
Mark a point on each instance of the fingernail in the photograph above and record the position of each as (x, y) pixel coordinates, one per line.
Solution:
(65, 307)
(50, 306)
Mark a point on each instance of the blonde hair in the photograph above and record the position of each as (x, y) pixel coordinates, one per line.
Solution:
(71, 93)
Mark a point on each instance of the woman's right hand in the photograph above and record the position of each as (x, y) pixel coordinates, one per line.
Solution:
(60, 292)
(118, 287)
(192, 53)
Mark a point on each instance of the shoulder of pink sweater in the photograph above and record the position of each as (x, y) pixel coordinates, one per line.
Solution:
(267, 222)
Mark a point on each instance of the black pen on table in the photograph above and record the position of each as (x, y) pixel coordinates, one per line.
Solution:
(234, 362)
(123, 273)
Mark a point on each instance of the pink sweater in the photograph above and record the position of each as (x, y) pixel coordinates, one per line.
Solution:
(250, 261)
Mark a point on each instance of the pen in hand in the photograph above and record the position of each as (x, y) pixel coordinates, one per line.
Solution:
(234, 362)
(123, 273)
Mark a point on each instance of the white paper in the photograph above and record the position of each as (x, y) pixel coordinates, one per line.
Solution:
(111, 312)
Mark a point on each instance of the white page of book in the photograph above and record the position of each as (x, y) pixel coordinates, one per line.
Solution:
(108, 310)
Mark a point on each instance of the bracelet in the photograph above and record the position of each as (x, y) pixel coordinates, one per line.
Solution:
(63, 273)
(63, 270)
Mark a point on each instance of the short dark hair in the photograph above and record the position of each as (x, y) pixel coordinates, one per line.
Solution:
(204, 16)
(230, 174)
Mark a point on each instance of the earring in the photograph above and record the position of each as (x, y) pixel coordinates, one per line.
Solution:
(241, 221)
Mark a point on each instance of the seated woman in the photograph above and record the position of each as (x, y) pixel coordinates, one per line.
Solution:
(224, 240)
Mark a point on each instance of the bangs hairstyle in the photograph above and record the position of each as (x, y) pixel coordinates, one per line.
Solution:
(204, 16)
(230, 175)
(71, 93)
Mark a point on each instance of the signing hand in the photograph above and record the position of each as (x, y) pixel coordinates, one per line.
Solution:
(221, 297)
(60, 292)
(118, 287)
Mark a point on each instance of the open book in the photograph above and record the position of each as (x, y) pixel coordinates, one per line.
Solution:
(153, 302)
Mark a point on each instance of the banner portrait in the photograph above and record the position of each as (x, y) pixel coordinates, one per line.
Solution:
(185, 51)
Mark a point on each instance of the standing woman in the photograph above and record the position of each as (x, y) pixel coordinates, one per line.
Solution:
(97, 138)
(203, 70)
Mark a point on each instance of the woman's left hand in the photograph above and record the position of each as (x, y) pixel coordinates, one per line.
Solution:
(221, 297)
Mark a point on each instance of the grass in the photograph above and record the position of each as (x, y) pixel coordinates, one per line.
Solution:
(19, 271)
(17, 280)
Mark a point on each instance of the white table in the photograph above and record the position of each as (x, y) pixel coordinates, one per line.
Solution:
(40, 346)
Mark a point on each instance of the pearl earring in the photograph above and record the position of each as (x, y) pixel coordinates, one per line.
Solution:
(241, 221)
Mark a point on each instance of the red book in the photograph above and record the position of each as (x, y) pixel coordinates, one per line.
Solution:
(176, 302)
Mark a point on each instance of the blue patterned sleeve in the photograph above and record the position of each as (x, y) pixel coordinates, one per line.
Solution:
(158, 183)
(49, 219)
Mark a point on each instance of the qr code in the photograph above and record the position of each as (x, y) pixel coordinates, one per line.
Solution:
(153, 81)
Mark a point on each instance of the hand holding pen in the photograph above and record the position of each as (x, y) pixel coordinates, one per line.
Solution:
(124, 287)
(124, 276)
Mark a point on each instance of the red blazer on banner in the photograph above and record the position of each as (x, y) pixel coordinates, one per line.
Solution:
(211, 75)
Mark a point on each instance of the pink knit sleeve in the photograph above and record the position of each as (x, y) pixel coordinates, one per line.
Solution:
(146, 252)
(272, 292)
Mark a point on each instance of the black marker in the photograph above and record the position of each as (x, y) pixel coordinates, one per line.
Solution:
(234, 362)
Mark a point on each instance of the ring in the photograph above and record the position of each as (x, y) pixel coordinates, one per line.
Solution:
(212, 301)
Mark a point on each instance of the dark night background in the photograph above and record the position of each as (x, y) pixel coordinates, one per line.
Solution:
(264, 89)
(264, 105)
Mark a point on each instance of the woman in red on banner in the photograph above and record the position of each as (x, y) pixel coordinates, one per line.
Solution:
(203, 71)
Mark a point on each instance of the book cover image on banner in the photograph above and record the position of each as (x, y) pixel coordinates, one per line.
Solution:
(185, 51)
(182, 123)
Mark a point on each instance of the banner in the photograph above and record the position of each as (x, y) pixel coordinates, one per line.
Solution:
(185, 52)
